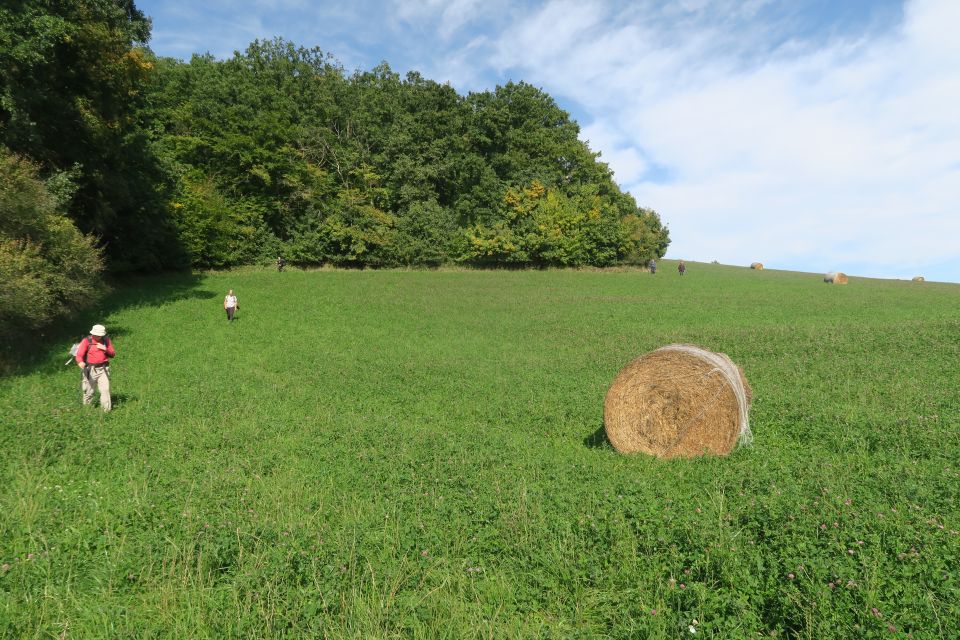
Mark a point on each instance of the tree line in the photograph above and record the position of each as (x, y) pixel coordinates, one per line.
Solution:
(155, 163)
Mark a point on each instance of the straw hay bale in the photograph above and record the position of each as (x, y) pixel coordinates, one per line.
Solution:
(680, 400)
(756, 265)
(919, 279)
(836, 277)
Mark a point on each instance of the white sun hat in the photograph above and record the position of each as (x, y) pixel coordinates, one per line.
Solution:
(98, 330)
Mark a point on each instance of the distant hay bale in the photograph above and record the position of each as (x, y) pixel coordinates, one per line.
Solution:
(756, 265)
(680, 400)
(919, 279)
(836, 277)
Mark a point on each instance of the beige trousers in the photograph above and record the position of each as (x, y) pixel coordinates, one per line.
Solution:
(99, 376)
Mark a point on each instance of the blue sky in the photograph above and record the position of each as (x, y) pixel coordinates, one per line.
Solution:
(811, 135)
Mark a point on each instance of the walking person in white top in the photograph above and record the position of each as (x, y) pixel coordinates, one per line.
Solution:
(230, 304)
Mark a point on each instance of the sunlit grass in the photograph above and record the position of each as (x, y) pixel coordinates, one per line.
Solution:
(416, 454)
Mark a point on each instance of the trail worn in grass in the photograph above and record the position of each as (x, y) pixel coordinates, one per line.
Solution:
(420, 454)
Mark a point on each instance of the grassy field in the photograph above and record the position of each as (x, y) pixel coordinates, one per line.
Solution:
(421, 455)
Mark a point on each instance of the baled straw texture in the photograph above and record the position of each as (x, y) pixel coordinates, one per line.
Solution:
(836, 277)
(756, 265)
(919, 279)
(680, 400)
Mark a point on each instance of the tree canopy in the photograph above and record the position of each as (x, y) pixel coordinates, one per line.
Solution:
(47, 266)
(72, 79)
(278, 150)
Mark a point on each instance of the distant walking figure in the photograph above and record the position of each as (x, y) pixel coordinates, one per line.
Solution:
(230, 305)
(681, 267)
(281, 263)
(653, 265)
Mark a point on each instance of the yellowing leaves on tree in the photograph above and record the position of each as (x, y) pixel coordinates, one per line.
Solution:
(535, 190)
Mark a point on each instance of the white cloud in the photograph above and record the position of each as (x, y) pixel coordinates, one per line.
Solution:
(630, 163)
(933, 23)
(543, 39)
(456, 14)
(817, 157)
(448, 16)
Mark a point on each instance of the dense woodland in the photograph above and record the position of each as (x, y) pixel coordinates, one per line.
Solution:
(113, 158)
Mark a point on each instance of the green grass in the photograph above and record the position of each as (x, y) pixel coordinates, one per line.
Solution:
(420, 454)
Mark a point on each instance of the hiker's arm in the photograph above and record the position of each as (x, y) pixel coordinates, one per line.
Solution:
(111, 352)
(81, 353)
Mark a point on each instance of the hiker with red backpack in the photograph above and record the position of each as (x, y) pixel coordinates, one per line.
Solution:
(93, 358)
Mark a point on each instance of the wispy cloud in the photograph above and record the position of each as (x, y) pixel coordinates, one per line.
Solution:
(446, 17)
(833, 156)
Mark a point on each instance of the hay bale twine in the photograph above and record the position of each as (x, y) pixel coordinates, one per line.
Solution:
(680, 400)
(756, 265)
(919, 279)
(836, 277)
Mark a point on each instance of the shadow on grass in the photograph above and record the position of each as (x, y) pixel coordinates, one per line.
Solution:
(121, 399)
(38, 350)
(598, 439)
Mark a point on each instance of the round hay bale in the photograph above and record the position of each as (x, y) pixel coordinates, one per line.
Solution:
(919, 279)
(680, 400)
(756, 265)
(836, 277)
